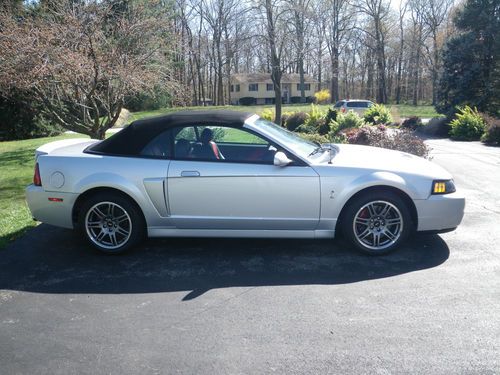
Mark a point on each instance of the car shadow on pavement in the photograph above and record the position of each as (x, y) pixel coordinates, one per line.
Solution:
(54, 260)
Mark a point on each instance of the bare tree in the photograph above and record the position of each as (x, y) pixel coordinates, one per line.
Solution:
(377, 11)
(80, 63)
(301, 19)
(418, 36)
(342, 19)
(402, 11)
(320, 21)
(434, 15)
(277, 38)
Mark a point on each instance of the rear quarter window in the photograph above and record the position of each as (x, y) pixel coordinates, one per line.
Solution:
(159, 147)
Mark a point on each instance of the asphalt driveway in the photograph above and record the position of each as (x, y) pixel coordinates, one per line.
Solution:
(263, 306)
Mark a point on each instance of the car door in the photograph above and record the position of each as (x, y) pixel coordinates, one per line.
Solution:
(241, 190)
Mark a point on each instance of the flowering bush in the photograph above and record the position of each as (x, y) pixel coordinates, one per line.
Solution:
(322, 96)
(268, 114)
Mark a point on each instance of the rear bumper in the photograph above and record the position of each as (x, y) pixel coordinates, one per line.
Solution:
(50, 212)
(440, 213)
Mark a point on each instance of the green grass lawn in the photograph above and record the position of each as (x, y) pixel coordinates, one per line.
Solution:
(398, 110)
(422, 111)
(16, 172)
(253, 109)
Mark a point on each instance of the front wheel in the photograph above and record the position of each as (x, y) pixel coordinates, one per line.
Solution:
(111, 223)
(377, 223)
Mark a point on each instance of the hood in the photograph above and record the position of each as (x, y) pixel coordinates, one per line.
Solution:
(380, 159)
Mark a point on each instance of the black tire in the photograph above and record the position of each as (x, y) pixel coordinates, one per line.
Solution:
(111, 223)
(368, 211)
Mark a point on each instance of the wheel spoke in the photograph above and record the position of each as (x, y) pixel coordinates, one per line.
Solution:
(122, 231)
(94, 224)
(372, 210)
(376, 239)
(393, 221)
(121, 218)
(364, 234)
(100, 236)
(362, 221)
(112, 237)
(385, 210)
(99, 213)
(391, 236)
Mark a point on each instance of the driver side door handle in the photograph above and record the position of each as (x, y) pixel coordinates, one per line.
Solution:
(190, 174)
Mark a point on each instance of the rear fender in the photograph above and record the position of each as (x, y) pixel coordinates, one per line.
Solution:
(110, 180)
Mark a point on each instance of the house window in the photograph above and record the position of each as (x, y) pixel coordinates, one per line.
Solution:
(269, 87)
(232, 88)
(253, 87)
(238, 88)
(307, 86)
(269, 101)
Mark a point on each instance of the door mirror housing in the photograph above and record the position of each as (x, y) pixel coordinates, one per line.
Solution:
(281, 160)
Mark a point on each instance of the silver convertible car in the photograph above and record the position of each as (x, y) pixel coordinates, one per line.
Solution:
(233, 174)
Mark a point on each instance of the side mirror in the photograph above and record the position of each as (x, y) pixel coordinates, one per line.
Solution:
(281, 160)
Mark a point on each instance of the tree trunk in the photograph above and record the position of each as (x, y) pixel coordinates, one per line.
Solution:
(275, 61)
(417, 77)
(435, 69)
(381, 84)
(334, 89)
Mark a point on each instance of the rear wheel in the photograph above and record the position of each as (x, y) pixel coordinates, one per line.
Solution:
(377, 223)
(111, 223)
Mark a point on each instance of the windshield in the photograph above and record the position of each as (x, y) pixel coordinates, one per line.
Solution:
(288, 139)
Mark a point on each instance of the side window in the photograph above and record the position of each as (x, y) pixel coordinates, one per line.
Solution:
(339, 104)
(184, 141)
(222, 144)
(352, 104)
(233, 135)
(158, 147)
(188, 133)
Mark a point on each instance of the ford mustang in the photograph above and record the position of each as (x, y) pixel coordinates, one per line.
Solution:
(234, 174)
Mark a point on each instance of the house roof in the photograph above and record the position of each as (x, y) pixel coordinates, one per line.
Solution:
(266, 78)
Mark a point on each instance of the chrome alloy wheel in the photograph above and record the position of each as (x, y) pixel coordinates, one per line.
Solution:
(108, 225)
(377, 225)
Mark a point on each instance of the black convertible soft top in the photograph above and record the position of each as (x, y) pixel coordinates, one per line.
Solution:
(132, 139)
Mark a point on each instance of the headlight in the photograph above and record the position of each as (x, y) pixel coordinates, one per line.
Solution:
(443, 187)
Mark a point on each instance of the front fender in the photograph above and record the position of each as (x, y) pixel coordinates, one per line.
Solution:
(335, 195)
(379, 178)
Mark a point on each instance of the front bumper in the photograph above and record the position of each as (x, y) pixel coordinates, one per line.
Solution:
(51, 212)
(440, 212)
